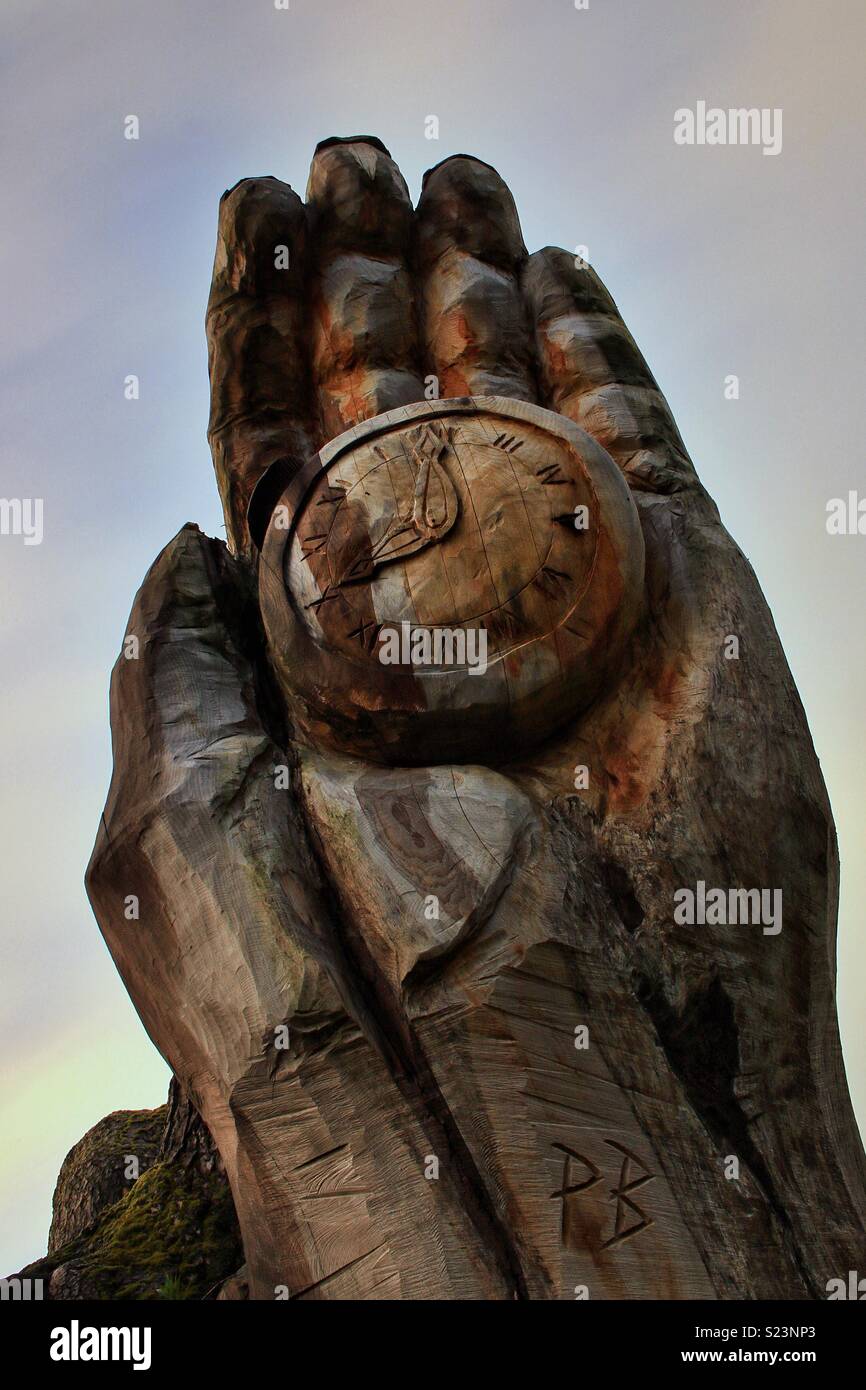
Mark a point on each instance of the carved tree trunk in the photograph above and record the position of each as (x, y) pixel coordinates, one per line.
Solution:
(448, 1032)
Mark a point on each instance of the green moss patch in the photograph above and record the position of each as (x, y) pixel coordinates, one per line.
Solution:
(173, 1235)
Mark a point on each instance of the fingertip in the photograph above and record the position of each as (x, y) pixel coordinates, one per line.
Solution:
(357, 198)
(250, 180)
(257, 217)
(332, 140)
(466, 205)
(434, 168)
(557, 281)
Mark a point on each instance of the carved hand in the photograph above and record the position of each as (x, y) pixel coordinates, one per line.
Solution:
(442, 1017)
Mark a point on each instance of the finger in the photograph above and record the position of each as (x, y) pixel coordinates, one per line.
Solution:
(475, 331)
(363, 334)
(591, 370)
(260, 405)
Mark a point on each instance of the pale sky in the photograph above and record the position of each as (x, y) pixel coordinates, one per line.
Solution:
(721, 260)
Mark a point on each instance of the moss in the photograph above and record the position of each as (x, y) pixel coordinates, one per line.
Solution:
(173, 1235)
(94, 1177)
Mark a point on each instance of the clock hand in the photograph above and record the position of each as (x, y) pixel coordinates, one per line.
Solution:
(417, 523)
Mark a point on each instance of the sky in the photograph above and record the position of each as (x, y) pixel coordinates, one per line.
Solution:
(722, 261)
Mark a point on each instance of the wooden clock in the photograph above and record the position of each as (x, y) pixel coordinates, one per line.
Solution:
(450, 581)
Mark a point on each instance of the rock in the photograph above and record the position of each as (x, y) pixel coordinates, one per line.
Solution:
(101, 1168)
(450, 1025)
(173, 1236)
(74, 1282)
(171, 1233)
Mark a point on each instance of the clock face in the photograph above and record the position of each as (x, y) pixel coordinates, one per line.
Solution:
(461, 524)
(471, 559)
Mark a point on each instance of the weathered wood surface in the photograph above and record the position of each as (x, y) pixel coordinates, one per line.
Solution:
(430, 941)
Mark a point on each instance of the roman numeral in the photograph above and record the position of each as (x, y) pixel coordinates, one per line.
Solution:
(330, 593)
(508, 443)
(551, 475)
(313, 544)
(361, 631)
(332, 496)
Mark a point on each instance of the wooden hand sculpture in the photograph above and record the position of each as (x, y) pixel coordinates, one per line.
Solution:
(466, 854)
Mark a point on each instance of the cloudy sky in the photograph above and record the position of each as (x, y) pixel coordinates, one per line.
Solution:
(722, 261)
